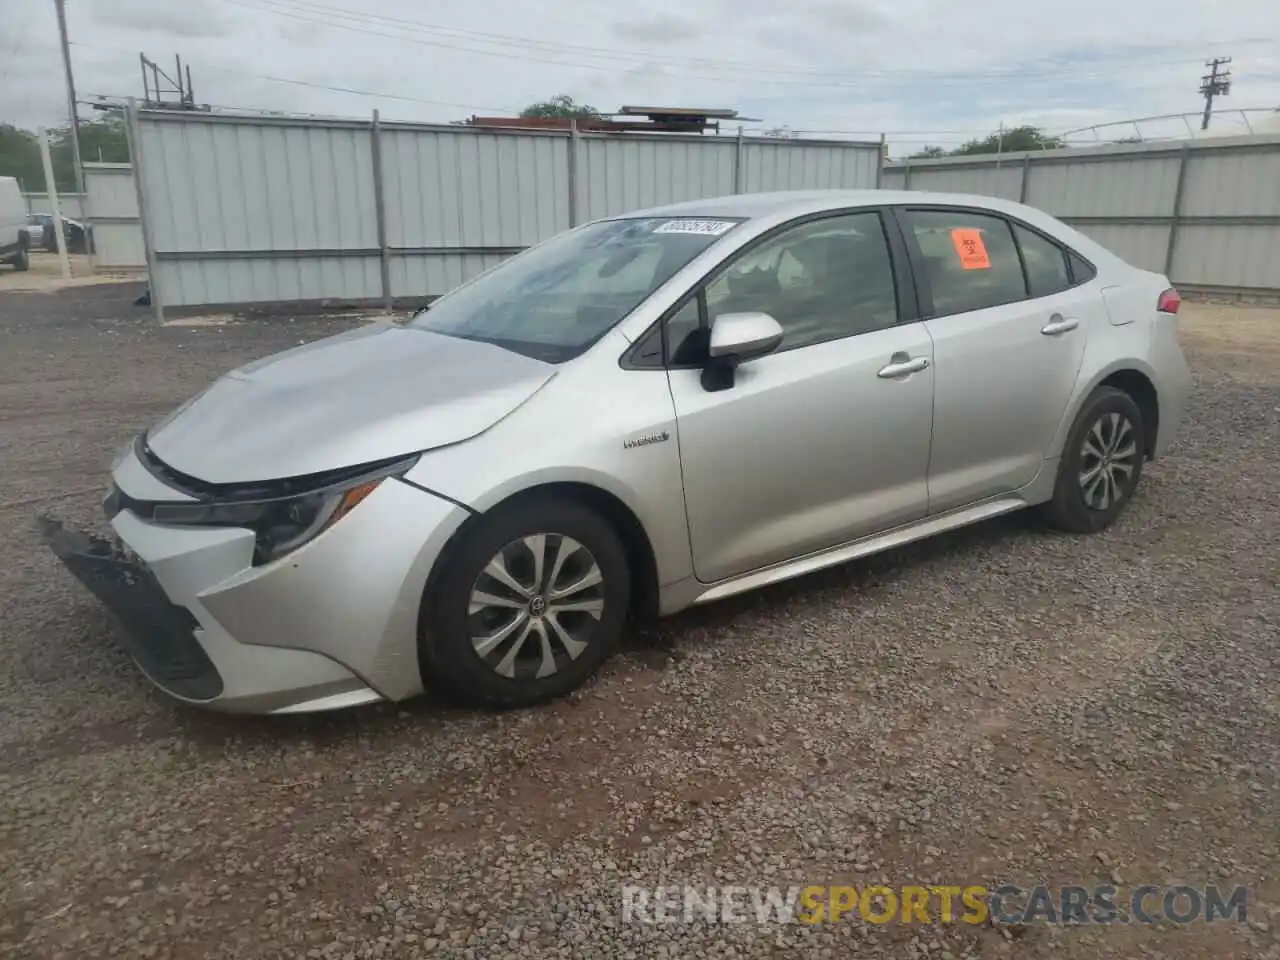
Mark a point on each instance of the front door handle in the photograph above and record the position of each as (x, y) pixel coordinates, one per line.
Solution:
(1058, 325)
(900, 365)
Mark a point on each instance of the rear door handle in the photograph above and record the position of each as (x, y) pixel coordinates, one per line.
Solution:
(902, 367)
(1058, 325)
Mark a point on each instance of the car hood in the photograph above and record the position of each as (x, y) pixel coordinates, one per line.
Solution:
(375, 393)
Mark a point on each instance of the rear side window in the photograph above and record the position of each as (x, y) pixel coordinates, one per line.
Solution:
(970, 259)
(1046, 262)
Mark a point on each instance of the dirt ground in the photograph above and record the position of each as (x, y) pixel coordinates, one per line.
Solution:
(999, 705)
(45, 274)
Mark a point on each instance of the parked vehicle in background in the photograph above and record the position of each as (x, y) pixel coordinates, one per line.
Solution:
(75, 234)
(14, 239)
(647, 412)
(35, 234)
(40, 226)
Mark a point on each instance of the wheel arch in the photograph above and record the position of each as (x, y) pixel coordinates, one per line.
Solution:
(1132, 376)
(641, 556)
(1143, 392)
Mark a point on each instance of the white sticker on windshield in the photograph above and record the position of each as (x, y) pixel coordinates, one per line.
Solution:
(705, 228)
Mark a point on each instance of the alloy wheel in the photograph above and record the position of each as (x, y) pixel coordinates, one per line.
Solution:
(1108, 461)
(535, 606)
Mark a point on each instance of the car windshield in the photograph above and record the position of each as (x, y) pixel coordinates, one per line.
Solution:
(555, 300)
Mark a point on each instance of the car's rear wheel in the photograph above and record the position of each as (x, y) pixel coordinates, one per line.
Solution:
(1101, 464)
(529, 605)
(22, 261)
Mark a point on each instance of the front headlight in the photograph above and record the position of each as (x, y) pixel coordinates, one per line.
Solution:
(283, 524)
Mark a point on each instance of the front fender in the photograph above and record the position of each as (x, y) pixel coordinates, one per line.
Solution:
(657, 502)
(582, 429)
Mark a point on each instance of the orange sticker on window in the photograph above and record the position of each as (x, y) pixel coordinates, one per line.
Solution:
(972, 251)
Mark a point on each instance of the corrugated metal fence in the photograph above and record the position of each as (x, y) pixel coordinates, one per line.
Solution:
(110, 206)
(242, 209)
(70, 204)
(1204, 212)
(253, 209)
(112, 209)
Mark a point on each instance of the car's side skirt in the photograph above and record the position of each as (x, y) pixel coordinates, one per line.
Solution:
(918, 530)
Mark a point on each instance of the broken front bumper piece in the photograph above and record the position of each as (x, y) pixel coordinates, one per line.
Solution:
(331, 625)
(158, 634)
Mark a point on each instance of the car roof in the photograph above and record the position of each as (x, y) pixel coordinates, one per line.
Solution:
(798, 202)
(782, 205)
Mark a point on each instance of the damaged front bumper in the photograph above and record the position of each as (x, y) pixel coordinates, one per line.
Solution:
(159, 594)
(333, 624)
(158, 635)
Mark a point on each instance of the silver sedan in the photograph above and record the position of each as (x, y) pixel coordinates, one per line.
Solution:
(644, 413)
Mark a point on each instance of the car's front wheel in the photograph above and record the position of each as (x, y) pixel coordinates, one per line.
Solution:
(22, 261)
(1101, 463)
(530, 603)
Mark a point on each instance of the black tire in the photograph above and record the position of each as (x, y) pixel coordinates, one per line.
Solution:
(451, 663)
(1070, 509)
(21, 261)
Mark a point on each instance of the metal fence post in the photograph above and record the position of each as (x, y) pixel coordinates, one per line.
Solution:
(380, 209)
(1023, 191)
(906, 175)
(880, 162)
(1176, 220)
(134, 142)
(573, 172)
(737, 163)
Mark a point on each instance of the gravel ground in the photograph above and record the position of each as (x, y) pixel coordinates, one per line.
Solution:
(997, 705)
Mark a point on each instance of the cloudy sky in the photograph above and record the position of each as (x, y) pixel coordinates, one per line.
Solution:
(925, 71)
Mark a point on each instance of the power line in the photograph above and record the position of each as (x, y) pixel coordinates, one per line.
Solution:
(65, 43)
(322, 14)
(612, 54)
(361, 93)
(313, 85)
(325, 16)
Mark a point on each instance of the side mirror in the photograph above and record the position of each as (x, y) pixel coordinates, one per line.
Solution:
(741, 337)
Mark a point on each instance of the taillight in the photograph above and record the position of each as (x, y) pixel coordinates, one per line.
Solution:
(1169, 301)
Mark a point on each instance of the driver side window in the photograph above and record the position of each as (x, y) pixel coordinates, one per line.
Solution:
(823, 280)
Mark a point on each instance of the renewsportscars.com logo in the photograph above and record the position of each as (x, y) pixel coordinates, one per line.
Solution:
(1007, 904)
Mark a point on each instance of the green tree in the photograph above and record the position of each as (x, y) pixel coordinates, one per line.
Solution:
(100, 140)
(928, 153)
(20, 157)
(561, 105)
(1012, 140)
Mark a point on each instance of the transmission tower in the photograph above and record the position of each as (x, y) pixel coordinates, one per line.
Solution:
(164, 91)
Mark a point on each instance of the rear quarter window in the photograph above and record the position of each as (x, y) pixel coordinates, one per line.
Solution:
(1082, 271)
(1045, 260)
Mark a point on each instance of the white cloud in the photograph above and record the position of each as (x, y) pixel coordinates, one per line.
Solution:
(924, 70)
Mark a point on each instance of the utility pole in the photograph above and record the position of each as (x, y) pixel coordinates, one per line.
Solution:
(46, 160)
(1215, 83)
(60, 5)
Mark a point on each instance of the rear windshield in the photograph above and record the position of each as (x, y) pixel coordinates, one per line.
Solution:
(556, 299)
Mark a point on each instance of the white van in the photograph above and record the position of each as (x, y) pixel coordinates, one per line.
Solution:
(14, 239)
